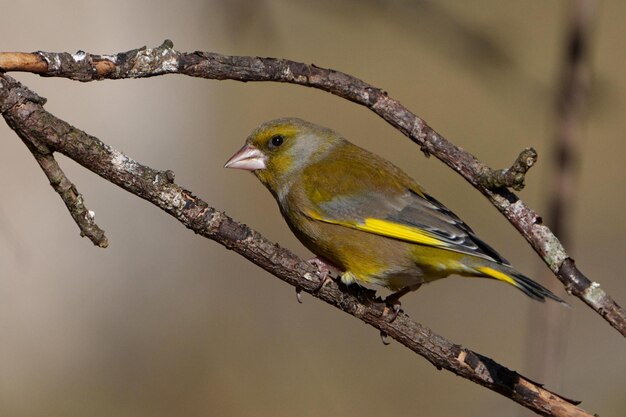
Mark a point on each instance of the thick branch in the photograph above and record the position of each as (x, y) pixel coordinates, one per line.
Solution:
(29, 119)
(148, 62)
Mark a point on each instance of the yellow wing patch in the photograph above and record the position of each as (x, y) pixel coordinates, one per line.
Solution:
(389, 229)
(400, 231)
(497, 275)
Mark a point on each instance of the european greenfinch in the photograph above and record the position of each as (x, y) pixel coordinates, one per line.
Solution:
(364, 216)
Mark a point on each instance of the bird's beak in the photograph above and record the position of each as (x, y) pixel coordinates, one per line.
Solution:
(248, 158)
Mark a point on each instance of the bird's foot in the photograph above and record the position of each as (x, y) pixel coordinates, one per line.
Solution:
(324, 271)
(391, 310)
(392, 302)
(324, 267)
(324, 282)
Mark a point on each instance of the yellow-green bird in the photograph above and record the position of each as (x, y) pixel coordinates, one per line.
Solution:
(364, 216)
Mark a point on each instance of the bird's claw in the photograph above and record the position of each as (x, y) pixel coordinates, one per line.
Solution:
(324, 271)
(383, 338)
(394, 309)
(324, 282)
(323, 266)
(392, 302)
(317, 289)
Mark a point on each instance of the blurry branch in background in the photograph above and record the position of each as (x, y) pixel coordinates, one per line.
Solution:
(571, 100)
(149, 62)
(23, 110)
(571, 97)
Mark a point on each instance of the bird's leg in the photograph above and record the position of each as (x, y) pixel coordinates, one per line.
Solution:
(324, 266)
(392, 301)
(324, 270)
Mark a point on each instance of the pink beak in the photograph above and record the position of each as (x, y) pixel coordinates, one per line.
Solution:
(248, 158)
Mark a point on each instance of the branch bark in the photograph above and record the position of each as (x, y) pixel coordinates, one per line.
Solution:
(23, 111)
(149, 62)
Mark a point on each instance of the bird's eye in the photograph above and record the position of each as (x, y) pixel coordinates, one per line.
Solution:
(277, 140)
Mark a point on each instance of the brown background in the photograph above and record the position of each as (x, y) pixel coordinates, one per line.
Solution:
(166, 323)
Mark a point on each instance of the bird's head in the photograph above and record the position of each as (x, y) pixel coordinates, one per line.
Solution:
(280, 149)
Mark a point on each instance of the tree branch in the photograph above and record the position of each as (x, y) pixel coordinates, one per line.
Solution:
(73, 200)
(148, 62)
(512, 177)
(23, 111)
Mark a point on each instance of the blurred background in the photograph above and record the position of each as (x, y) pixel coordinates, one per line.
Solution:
(164, 322)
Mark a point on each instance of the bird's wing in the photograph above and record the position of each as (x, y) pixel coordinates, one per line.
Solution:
(413, 216)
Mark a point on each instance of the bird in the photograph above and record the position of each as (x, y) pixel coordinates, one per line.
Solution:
(364, 217)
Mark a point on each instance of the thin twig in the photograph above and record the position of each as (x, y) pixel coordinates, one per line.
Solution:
(149, 62)
(73, 200)
(83, 217)
(30, 120)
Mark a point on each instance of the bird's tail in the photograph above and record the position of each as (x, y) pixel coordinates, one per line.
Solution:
(526, 285)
